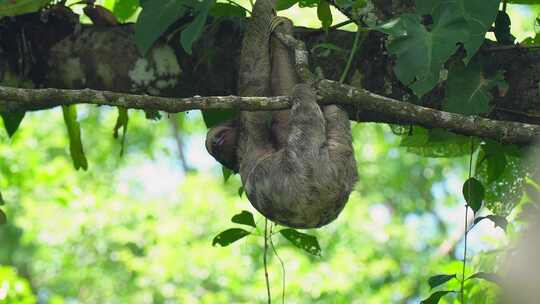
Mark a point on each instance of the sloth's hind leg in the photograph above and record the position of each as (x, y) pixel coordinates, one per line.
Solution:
(307, 130)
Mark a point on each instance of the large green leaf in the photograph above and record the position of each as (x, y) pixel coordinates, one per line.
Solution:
(303, 241)
(74, 133)
(435, 297)
(155, 18)
(422, 50)
(244, 218)
(468, 90)
(214, 117)
(440, 279)
(227, 10)
(195, 28)
(474, 193)
(229, 236)
(435, 143)
(124, 9)
(324, 14)
(18, 7)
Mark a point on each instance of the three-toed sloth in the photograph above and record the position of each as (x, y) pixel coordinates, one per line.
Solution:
(297, 167)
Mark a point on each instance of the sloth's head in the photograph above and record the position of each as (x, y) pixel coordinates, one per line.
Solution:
(221, 143)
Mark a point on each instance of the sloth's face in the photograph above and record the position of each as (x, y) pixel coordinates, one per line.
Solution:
(221, 143)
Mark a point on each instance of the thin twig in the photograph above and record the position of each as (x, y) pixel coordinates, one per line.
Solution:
(466, 233)
(282, 265)
(351, 56)
(265, 260)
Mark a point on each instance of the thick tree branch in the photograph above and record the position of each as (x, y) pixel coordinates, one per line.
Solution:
(16, 99)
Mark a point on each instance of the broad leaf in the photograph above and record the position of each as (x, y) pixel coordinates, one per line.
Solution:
(421, 51)
(227, 10)
(155, 18)
(440, 279)
(468, 90)
(495, 157)
(488, 276)
(502, 29)
(124, 9)
(303, 241)
(435, 297)
(214, 117)
(195, 28)
(12, 121)
(285, 4)
(497, 220)
(18, 7)
(474, 193)
(229, 236)
(74, 133)
(324, 14)
(435, 143)
(244, 218)
(2, 202)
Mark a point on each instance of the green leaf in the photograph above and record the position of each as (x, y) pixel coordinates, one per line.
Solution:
(440, 279)
(214, 117)
(285, 4)
(226, 173)
(502, 29)
(18, 7)
(435, 297)
(496, 164)
(12, 121)
(324, 14)
(121, 122)
(422, 51)
(74, 133)
(474, 193)
(468, 91)
(124, 9)
(3, 217)
(488, 276)
(244, 218)
(227, 10)
(195, 28)
(2, 202)
(435, 143)
(303, 241)
(240, 191)
(229, 236)
(498, 221)
(155, 18)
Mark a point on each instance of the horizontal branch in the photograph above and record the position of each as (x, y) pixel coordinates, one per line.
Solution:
(331, 92)
(20, 100)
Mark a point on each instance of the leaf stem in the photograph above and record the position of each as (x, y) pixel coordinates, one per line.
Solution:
(265, 261)
(351, 55)
(462, 289)
(280, 262)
